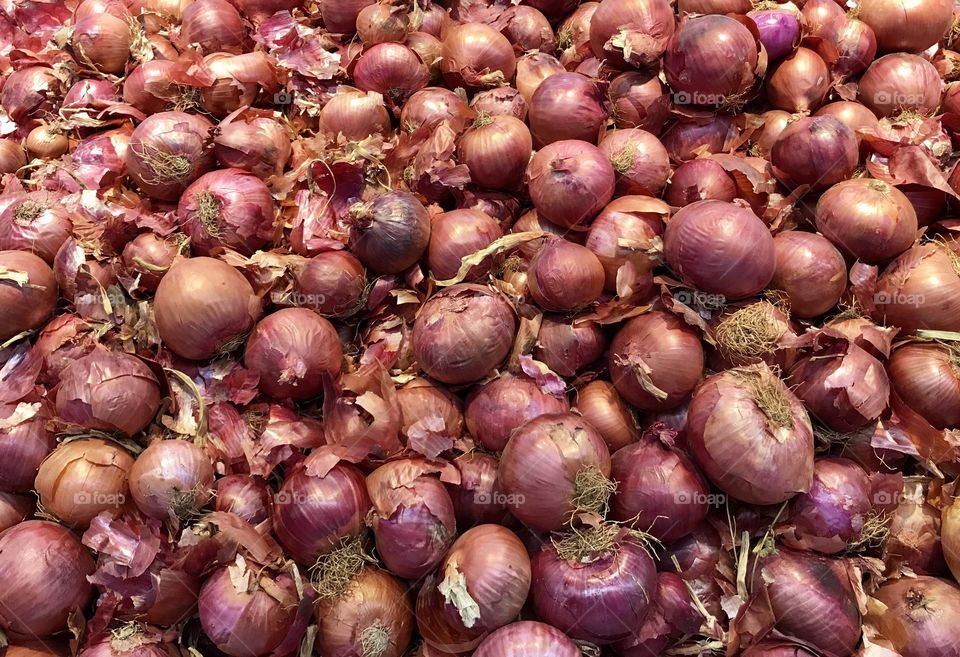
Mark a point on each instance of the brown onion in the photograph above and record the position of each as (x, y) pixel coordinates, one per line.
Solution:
(496, 150)
(476, 56)
(12, 156)
(799, 83)
(47, 142)
(918, 615)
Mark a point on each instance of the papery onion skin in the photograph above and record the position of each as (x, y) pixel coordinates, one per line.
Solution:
(340, 17)
(479, 498)
(457, 234)
(149, 257)
(290, 350)
(720, 248)
(564, 276)
(500, 101)
(203, 305)
(686, 139)
(855, 41)
(567, 347)
(390, 233)
(919, 290)
(14, 509)
(656, 360)
(569, 182)
(526, 639)
(30, 91)
(104, 41)
(476, 56)
(921, 612)
(639, 158)
(818, 151)
(638, 101)
(699, 180)
(928, 22)
(495, 409)
(45, 570)
(914, 526)
(900, 82)
(167, 152)
(215, 25)
(429, 106)
(810, 272)
(355, 114)
(24, 445)
(927, 379)
(463, 333)
(380, 23)
(710, 60)
(624, 232)
(330, 283)
(576, 98)
(532, 69)
(247, 496)
(260, 146)
(758, 454)
(774, 122)
(496, 151)
(631, 33)
(541, 467)
(171, 477)
(800, 83)
(26, 308)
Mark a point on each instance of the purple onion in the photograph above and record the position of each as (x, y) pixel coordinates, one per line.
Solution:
(779, 31)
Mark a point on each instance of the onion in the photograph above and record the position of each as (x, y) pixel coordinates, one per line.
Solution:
(656, 360)
(109, 391)
(773, 123)
(428, 48)
(413, 519)
(631, 33)
(565, 347)
(800, 82)
(818, 13)
(149, 87)
(227, 208)
(457, 234)
(595, 586)
(810, 272)
(103, 41)
(340, 16)
(528, 29)
(476, 56)
(35, 222)
(532, 69)
(927, 379)
(658, 491)
(390, 233)
(148, 257)
(777, 649)
(600, 405)
(46, 142)
(913, 540)
(573, 96)
(949, 533)
(687, 139)
(247, 612)
(237, 81)
(215, 25)
(527, 638)
(570, 182)
(246, 496)
(855, 42)
(852, 114)
(751, 435)
(167, 152)
(720, 248)
(564, 276)
(752, 333)
(928, 22)
(499, 407)
(14, 509)
(815, 150)
(555, 466)
(30, 91)
(422, 402)
(698, 180)
(25, 440)
(289, 349)
(640, 160)
(625, 232)
(330, 283)
(478, 498)
(258, 145)
(171, 478)
(710, 60)
(638, 100)
(391, 69)
(501, 101)
(900, 82)
(918, 615)
(382, 22)
(204, 306)
(28, 295)
(127, 641)
(354, 114)
(857, 446)
(480, 586)
(318, 507)
(919, 290)
(12, 156)
(496, 150)
(371, 617)
(867, 219)
(779, 29)
(428, 107)
(45, 648)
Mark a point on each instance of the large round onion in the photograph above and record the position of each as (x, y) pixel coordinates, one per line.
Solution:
(35, 223)
(496, 150)
(168, 151)
(900, 82)
(631, 33)
(259, 145)
(751, 435)
(553, 467)
(564, 276)
(699, 180)
(919, 617)
(810, 272)
(656, 360)
(171, 478)
(919, 290)
(815, 150)
(573, 96)
(779, 29)
(290, 350)
(390, 233)
(354, 114)
(463, 333)
(204, 306)
(499, 407)
(720, 248)
(800, 82)
(44, 569)
(29, 297)
(570, 182)
(711, 60)
(928, 22)
(926, 376)
(476, 56)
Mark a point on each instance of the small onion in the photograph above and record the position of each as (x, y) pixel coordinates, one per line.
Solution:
(779, 29)
(815, 150)
(570, 182)
(247, 496)
(600, 405)
(919, 615)
(47, 142)
(573, 96)
(809, 271)
(25, 440)
(27, 305)
(457, 234)
(499, 407)
(390, 233)
(355, 114)
(496, 150)
(631, 33)
(149, 257)
(35, 222)
(799, 83)
(699, 180)
(567, 347)
(259, 145)
(913, 540)
(640, 160)
(330, 283)
(476, 56)
(900, 82)
(638, 101)
(564, 276)
(171, 478)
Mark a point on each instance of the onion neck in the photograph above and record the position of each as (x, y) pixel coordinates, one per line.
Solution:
(208, 212)
(27, 213)
(335, 572)
(375, 640)
(768, 393)
(750, 332)
(592, 491)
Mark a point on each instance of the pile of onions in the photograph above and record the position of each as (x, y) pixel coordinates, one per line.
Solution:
(569, 182)
(494, 410)
(171, 478)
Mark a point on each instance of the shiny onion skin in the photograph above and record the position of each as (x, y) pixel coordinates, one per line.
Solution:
(751, 436)
(817, 13)
(563, 276)
(928, 22)
(810, 272)
(815, 150)
(699, 180)
(478, 498)
(202, 306)
(527, 639)
(631, 34)
(167, 152)
(920, 290)
(855, 42)
(659, 490)
(391, 69)
(390, 233)
(799, 83)
(28, 307)
(597, 596)
(656, 360)
(920, 616)
(318, 507)
(779, 30)
(476, 56)
(463, 333)
(290, 350)
(851, 113)
(575, 97)
(248, 616)
(247, 496)
(12, 156)
(171, 477)
(34, 223)
(215, 25)
(554, 466)
(354, 114)
(108, 391)
(601, 405)
(372, 617)
(148, 257)
(498, 407)
(44, 648)
(926, 376)
(103, 40)
(457, 234)
(900, 82)
(332, 283)
(720, 248)
(25, 440)
(44, 569)
(566, 346)
(481, 585)
(227, 208)
(569, 182)
(710, 60)
(639, 159)
(496, 150)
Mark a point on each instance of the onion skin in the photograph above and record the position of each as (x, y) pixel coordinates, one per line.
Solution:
(624, 232)
(495, 409)
(779, 30)
(391, 69)
(203, 305)
(478, 498)
(746, 452)
(575, 97)
(927, 379)
(355, 114)
(457, 234)
(656, 360)
(390, 233)
(171, 477)
(646, 25)
(919, 290)
(527, 639)
(547, 454)
(928, 22)
(799, 83)
(600, 405)
(462, 333)
(215, 25)
(428, 107)
(420, 398)
(710, 59)
(500, 101)
(914, 532)
(855, 42)
(246, 496)
(496, 152)
(476, 56)
(148, 257)
(569, 182)
(815, 150)
(36, 223)
(104, 41)
(26, 308)
(900, 82)
(12, 156)
(639, 100)
(565, 347)
(24, 445)
(167, 152)
(14, 509)
(810, 271)
(699, 180)
(686, 139)
(720, 248)
(919, 616)
(45, 569)
(564, 276)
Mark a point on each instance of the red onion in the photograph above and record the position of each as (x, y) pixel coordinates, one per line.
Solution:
(45, 570)
(12, 156)
(928, 22)
(600, 405)
(913, 540)
(638, 100)
(127, 641)
(809, 271)
(496, 150)
(918, 615)
(927, 379)
(215, 25)
(900, 82)
(500, 101)
(817, 13)
(800, 82)
(258, 145)
(428, 107)
(423, 404)
(149, 87)
(354, 114)
(479, 498)
(246, 496)
(779, 29)
(532, 69)
(35, 222)
(852, 114)
(564, 276)
(171, 478)
(751, 435)
(457, 234)
(390, 233)
(555, 466)
(640, 160)
(330, 283)
(391, 69)
(101, 158)
(567, 347)
(148, 257)
(204, 306)
(497, 408)
(855, 42)
(777, 649)
(710, 60)
(815, 150)
(625, 232)
(30, 91)
(528, 29)
(773, 123)
(14, 509)
(699, 180)
(28, 294)
(103, 41)
(340, 16)
(573, 96)
(476, 56)
(25, 440)
(919, 290)
(238, 80)
(631, 33)
(570, 182)
(381, 23)
(687, 139)
(527, 638)
(167, 152)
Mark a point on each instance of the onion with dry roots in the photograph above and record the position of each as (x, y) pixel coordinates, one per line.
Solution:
(171, 478)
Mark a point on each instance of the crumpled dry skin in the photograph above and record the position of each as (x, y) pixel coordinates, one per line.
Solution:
(234, 536)
(127, 543)
(21, 365)
(909, 165)
(363, 410)
(433, 169)
(297, 47)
